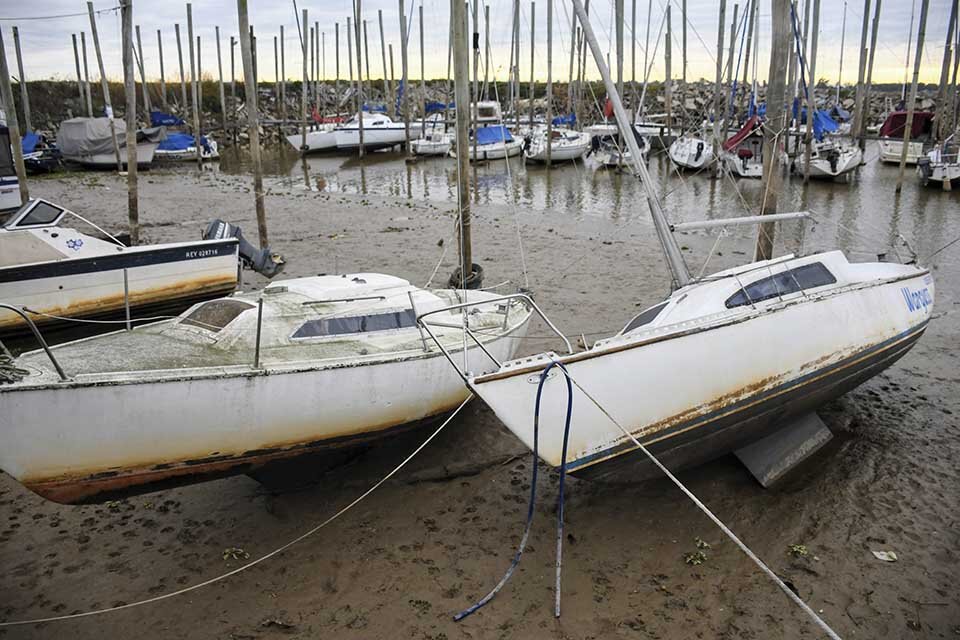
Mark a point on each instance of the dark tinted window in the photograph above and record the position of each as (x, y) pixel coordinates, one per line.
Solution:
(356, 324)
(806, 277)
(216, 314)
(42, 213)
(6, 154)
(644, 317)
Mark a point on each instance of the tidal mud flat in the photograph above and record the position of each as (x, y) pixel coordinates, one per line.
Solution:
(439, 535)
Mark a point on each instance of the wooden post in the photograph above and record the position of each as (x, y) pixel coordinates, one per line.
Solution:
(446, 94)
(183, 76)
(727, 109)
(108, 106)
(304, 88)
(356, 40)
(668, 80)
(223, 98)
(475, 94)
(199, 83)
(752, 7)
(24, 94)
(516, 62)
(393, 83)
(405, 73)
(942, 109)
(143, 78)
(718, 87)
(618, 21)
(462, 73)
(350, 62)
(911, 104)
(283, 78)
(323, 67)
(311, 62)
(255, 58)
(316, 74)
(858, 111)
(76, 60)
(843, 40)
(383, 58)
(16, 144)
(811, 89)
(163, 78)
(573, 47)
(423, 80)
(533, 54)
(249, 85)
(776, 125)
(193, 87)
(866, 89)
(550, 83)
(366, 61)
(336, 59)
(276, 72)
(633, 44)
(130, 91)
(86, 74)
(486, 51)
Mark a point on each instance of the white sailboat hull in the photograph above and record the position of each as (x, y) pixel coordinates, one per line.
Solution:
(98, 435)
(751, 168)
(431, 146)
(374, 137)
(692, 393)
(493, 151)
(831, 163)
(145, 154)
(562, 150)
(691, 153)
(318, 140)
(891, 150)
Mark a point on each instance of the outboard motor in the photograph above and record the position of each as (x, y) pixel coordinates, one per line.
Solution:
(699, 150)
(594, 145)
(833, 157)
(923, 166)
(263, 261)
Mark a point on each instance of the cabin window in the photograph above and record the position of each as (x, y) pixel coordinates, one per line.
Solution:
(808, 276)
(644, 317)
(356, 324)
(216, 314)
(42, 213)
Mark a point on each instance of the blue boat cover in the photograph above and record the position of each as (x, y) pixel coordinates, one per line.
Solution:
(375, 108)
(437, 107)
(489, 135)
(30, 141)
(181, 142)
(569, 120)
(161, 119)
(839, 113)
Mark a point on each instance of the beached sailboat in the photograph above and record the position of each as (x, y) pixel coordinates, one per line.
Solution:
(723, 362)
(321, 136)
(565, 145)
(379, 132)
(87, 142)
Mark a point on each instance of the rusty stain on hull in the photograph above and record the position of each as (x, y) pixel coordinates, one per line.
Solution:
(182, 290)
(109, 484)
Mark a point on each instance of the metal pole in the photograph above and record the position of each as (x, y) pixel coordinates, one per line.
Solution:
(671, 250)
(405, 72)
(24, 94)
(193, 87)
(223, 98)
(918, 59)
(858, 108)
(249, 86)
(130, 89)
(811, 89)
(108, 107)
(86, 74)
(143, 77)
(550, 82)
(183, 77)
(163, 79)
(776, 125)
(6, 92)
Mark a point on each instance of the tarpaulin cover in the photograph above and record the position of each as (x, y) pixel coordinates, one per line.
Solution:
(740, 136)
(490, 135)
(437, 107)
(161, 119)
(839, 113)
(88, 136)
(375, 108)
(823, 123)
(757, 111)
(569, 120)
(181, 142)
(30, 141)
(896, 122)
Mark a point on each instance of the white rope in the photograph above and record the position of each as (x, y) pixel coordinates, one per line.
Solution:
(258, 560)
(726, 530)
(87, 321)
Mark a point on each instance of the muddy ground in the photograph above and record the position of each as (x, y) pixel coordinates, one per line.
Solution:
(433, 540)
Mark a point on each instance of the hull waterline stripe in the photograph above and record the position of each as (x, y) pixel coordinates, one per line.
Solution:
(262, 558)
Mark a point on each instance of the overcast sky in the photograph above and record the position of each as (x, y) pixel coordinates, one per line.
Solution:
(48, 52)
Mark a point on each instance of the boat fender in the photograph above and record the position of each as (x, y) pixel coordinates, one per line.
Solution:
(474, 281)
(263, 261)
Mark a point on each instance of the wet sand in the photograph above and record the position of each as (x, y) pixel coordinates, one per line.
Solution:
(433, 540)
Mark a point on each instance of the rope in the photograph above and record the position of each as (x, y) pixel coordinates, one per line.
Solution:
(61, 15)
(9, 372)
(724, 528)
(253, 563)
(84, 320)
(533, 499)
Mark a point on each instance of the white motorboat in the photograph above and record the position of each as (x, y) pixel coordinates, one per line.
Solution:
(492, 142)
(435, 140)
(565, 145)
(742, 154)
(320, 137)
(305, 365)
(653, 129)
(87, 142)
(379, 132)
(691, 152)
(941, 166)
(891, 136)
(829, 158)
(181, 147)
(58, 271)
(607, 148)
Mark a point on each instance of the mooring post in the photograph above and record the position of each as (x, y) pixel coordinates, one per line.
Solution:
(668, 80)
(199, 82)
(163, 77)
(233, 90)
(366, 60)
(86, 74)
(533, 57)
(383, 56)
(356, 40)
(911, 105)
(752, 8)
(859, 112)
(223, 98)
(24, 93)
(549, 83)
(866, 89)
(718, 87)
(404, 70)
(423, 81)
(76, 60)
(283, 79)
(108, 106)
(336, 60)
(618, 44)
(143, 78)
(316, 72)
(256, 352)
(16, 144)
(304, 90)
(193, 87)
(246, 55)
(130, 117)
(184, 105)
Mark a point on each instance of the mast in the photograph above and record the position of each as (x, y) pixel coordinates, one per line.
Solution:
(752, 6)
(944, 78)
(107, 105)
(671, 250)
(130, 91)
(718, 88)
(6, 97)
(461, 79)
(908, 126)
(549, 82)
(858, 106)
(668, 80)
(775, 125)
(404, 70)
(906, 60)
(811, 88)
(843, 37)
(253, 117)
(618, 20)
(862, 128)
(646, 61)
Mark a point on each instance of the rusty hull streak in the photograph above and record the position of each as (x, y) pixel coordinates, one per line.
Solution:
(118, 482)
(182, 290)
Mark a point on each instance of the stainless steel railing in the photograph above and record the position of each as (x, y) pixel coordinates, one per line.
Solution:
(36, 333)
